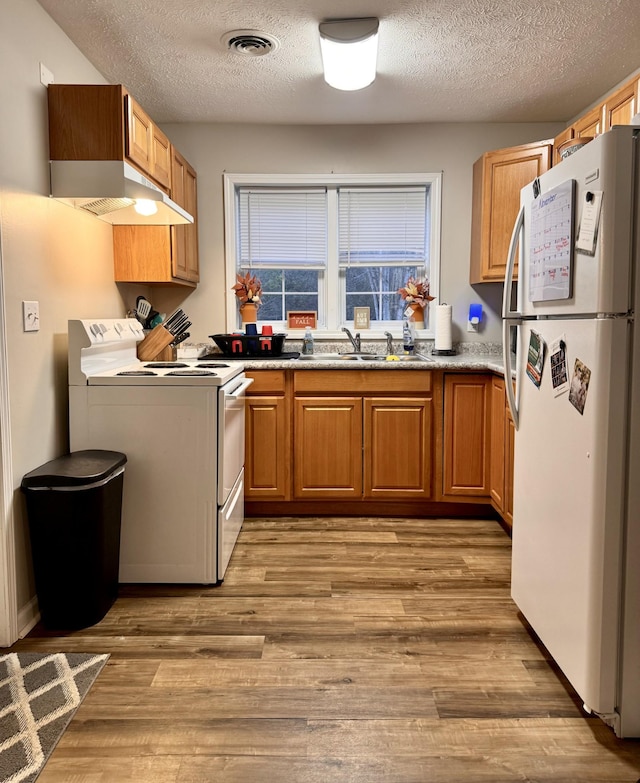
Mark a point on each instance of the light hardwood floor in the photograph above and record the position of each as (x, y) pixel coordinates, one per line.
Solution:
(336, 651)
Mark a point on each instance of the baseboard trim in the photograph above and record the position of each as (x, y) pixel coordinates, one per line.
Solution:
(364, 508)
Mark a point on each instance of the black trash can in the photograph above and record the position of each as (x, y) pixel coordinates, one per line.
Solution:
(74, 507)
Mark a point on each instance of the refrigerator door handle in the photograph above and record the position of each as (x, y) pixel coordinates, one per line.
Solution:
(507, 323)
(507, 312)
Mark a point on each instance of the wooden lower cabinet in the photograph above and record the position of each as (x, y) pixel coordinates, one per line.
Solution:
(327, 445)
(502, 445)
(466, 453)
(420, 441)
(267, 470)
(510, 438)
(497, 444)
(398, 436)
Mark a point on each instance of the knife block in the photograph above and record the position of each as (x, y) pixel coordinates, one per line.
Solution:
(154, 343)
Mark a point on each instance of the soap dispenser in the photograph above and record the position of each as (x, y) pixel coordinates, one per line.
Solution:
(407, 338)
(307, 342)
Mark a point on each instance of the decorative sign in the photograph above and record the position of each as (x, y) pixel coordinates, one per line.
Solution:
(551, 244)
(361, 317)
(300, 319)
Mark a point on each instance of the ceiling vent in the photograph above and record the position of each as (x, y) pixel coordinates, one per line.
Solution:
(250, 42)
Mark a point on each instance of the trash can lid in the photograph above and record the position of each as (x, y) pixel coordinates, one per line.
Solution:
(75, 469)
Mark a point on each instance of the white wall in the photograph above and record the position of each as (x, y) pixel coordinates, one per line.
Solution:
(50, 253)
(450, 148)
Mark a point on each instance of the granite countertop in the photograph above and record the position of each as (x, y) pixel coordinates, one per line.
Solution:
(470, 356)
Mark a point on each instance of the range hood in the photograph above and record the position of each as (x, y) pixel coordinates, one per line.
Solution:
(111, 190)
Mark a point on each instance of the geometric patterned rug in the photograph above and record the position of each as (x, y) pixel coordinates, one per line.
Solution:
(39, 694)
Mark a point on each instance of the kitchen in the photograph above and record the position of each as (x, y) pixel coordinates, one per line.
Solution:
(75, 278)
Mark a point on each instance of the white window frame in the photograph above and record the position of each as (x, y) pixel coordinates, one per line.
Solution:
(332, 295)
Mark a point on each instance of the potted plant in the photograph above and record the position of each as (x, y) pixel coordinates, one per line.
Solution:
(416, 295)
(248, 289)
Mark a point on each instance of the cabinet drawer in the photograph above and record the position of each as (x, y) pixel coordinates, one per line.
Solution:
(362, 382)
(266, 381)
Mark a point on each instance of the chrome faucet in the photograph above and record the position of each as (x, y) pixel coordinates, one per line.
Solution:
(389, 337)
(355, 341)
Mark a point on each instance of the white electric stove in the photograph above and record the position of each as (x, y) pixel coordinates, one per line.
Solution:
(181, 425)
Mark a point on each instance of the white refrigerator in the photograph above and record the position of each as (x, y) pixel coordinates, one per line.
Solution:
(576, 406)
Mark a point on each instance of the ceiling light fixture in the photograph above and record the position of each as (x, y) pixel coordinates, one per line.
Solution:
(349, 52)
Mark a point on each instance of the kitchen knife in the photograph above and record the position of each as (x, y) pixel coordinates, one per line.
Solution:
(180, 339)
(177, 327)
(175, 316)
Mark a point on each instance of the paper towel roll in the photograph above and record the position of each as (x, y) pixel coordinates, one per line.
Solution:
(443, 327)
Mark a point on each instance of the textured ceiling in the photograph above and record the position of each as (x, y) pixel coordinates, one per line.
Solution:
(438, 61)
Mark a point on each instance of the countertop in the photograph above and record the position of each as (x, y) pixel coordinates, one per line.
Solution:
(466, 361)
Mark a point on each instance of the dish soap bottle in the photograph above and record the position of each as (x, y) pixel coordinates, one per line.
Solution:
(307, 342)
(407, 337)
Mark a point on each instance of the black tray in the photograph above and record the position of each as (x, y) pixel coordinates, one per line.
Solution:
(220, 357)
(238, 346)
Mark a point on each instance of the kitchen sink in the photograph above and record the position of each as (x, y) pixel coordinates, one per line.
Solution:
(359, 357)
(402, 358)
(327, 357)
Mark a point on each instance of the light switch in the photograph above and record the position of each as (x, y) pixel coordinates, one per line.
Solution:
(31, 316)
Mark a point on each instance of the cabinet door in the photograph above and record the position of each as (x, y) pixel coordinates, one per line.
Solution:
(621, 105)
(466, 435)
(510, 439)
(139, 139)
(498, 177)
(590, 124)
(268, 448)
(327, 447)
(161, 158)
(185, 238)
(398, 439)
(566, 135)
(146, 145)
(497, 440)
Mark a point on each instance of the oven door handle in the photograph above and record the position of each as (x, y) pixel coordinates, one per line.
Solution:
(241, 389)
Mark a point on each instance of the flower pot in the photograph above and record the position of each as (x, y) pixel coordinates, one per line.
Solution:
(417, 314)
(249, 312)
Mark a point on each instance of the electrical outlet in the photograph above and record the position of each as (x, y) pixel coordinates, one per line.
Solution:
(46, 77)
(31, 316)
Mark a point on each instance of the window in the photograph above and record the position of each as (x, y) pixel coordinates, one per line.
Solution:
(329, 244)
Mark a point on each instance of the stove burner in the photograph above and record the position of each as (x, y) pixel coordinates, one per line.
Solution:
(166, 365)
(136, 372)
(189, 372)
(212, 365)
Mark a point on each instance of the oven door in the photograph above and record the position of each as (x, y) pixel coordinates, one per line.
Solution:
(231, 402)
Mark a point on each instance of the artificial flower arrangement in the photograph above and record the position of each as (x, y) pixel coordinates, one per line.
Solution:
(416, 291)
(248, 289)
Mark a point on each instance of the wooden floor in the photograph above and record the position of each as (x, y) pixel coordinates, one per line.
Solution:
(337, 650)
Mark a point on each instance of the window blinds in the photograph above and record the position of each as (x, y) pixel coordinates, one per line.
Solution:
(282, 227)
(383, 226)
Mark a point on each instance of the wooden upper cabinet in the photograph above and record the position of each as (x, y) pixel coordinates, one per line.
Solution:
(146, 145)
(621, 106)
(162, 254)
(618, 108)
(498, 177)
(566, 135)
(184, 239)
(104, 122)
(590, 124)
